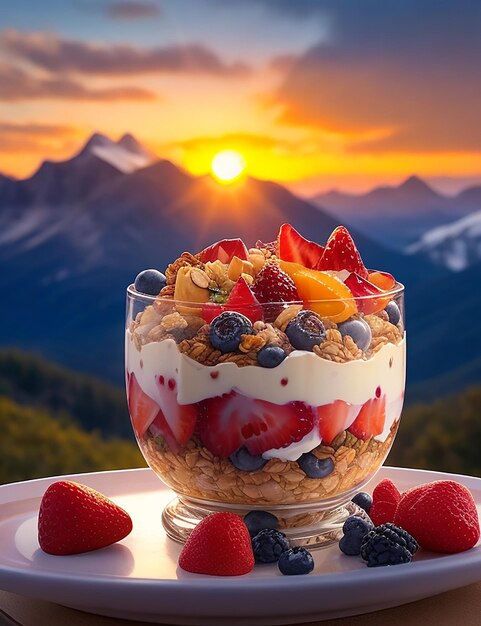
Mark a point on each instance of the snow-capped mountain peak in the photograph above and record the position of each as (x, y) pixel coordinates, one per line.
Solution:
(126, 155)
(456, 245)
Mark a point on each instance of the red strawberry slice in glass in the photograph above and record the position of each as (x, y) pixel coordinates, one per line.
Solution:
(371, 418)
(241, 299)
(225, 250)
(230, 421)
(292, 246)
(360, 288)
(341, 253)
(143, 410)
(332, 419)
(180, 418)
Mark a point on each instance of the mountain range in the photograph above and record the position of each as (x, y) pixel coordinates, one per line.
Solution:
(76, 233)
(399, 216)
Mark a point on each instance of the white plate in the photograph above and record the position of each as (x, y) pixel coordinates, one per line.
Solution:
(138, 578)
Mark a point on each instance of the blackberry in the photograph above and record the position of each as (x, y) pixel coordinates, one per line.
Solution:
(268, 545)
(388, 544)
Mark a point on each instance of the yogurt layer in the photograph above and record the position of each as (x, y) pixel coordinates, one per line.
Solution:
(302, 376)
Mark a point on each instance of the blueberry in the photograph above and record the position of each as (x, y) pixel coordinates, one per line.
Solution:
(359, 330)
(226, 330)
(314, 467)
(260, 520)
(296, 561)
(150, 282)
(363, 500)
(388, 544)
(355, 528)
(271, 356)
(268, 545)
(306, 330)
(393, 312)
(243, 460)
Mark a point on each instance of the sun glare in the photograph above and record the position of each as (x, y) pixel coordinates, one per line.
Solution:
(227, 166)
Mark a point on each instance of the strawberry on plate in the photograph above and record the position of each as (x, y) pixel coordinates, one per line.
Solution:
(332, 419)
(241, 299)
(224, 251)
(341, 253)
(74, 518)
(220, 545)
(370, 420)
(230, 421)
(292, 246)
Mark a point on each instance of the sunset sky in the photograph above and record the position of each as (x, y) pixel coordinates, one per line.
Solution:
(313, 93)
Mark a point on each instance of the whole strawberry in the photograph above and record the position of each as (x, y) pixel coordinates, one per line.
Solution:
(74, 518)
(441, 516)
(220, 545)
(274, 285)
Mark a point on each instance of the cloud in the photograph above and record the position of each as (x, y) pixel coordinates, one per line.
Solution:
(405, 75)
(54, 54)
(17, 85)
(33, 136)
(125, 10)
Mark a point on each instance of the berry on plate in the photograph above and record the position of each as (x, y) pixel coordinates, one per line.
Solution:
(441, 516)
(150, 282)
(354, 530)
(224, 251)
(260, 520)
(363, 500)
(295, 561)
(74, 518)
(341, 253)
(268, 545)
(382, 512)
(388, 544)
(226, 330)
(292, 246)
(231, 421)
(220, 545)
(386, 491)
(370, 420)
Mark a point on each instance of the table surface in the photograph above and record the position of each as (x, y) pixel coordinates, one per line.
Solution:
(448, 609)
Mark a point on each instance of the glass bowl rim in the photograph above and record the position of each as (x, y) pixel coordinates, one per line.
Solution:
(390, 293)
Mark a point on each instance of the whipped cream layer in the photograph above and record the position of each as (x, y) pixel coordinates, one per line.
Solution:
(301, 376)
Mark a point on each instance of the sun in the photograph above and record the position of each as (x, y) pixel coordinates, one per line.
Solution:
(227, 166)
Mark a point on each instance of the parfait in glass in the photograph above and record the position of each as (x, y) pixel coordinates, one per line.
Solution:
(269, 378)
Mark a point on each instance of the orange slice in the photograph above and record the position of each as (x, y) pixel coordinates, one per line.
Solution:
(335, 299)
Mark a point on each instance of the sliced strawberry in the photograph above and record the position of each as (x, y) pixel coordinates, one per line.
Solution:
(160, 428)
(332, 419)
(341, 253)
(362, 290)
(383, 280)
(292, 246)
(272, 284)
(230, 421)
(370, 420)
(180, 418)
(224, 251)
(241, 299)
(143, 410)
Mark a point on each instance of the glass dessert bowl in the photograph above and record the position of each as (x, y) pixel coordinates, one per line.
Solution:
(288, 406)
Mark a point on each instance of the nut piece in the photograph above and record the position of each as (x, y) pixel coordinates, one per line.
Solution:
(257, 259)
(235, 268)
(286, 315)
(248, 278)
(251, 342)
(199, 278)
(173, 320)
(187, 291)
